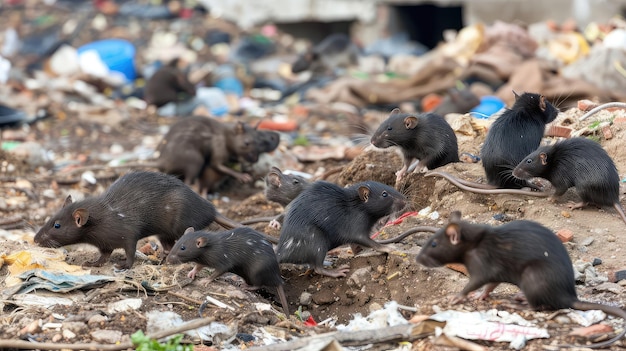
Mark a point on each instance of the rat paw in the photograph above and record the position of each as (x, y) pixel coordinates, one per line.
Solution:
(244, 178)
(576, 205)
(456, 299)
(339, 272)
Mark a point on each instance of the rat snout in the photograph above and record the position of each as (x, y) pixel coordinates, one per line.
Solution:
(426, 260)
(521, 174)
(172, 258)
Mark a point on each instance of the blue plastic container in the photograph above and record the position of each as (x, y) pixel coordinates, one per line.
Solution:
(487, 107)
(117, 54)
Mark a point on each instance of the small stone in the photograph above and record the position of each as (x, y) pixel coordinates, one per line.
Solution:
(49, 194)
(324, 297)
(587, 241)
(75, 327)
(106, 336)
(610, 287)
(360, 276)
(306, 298)
(375, 306)
(565, 235)
(96, 319)
(611, 238)
(606, 132)
(57, 337)
(596, 262)
(33, 327)
(620, 275)
(68, 334)
(566, 214)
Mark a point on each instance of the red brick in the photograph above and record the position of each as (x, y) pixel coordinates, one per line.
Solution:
(565, 235)
(595, 329)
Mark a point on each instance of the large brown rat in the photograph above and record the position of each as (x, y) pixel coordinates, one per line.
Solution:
(325, 216)
(523, 253)
(242, 251)
(136, 205)
(427, 137)
(579, 163)
(196, 143)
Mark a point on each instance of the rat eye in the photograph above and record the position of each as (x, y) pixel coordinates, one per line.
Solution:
(182, 248)
(389, 128)
(295, 181)
(385, 194)
(530, 160)
(433, 244)
(57, 225)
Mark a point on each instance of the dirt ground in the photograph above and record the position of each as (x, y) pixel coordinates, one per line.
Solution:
(374, 279)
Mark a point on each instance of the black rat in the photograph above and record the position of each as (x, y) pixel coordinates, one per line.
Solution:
(325, 216)
(137, 205)
(242, 251)
(513, 135)
(579, 163)
(523, 253)
(427, 137)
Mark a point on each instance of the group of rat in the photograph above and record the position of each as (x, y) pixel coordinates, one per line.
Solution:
(320, 215)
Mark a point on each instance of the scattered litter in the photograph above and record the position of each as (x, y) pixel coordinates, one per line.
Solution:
(491, 325)
(123, 305)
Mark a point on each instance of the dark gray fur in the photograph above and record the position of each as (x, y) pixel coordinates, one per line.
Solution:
(579, 163)
(336, 50)
(523, 253)
(515, 134)
(242, 251)
(137, 205)
(325, 216)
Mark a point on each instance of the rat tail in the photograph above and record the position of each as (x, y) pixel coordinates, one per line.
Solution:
(612, 310)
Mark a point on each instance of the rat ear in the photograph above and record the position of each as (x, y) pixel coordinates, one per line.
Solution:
(201, 242)
(453, 231)
(544, 158)
(516, 96)
(542, 103)
(395, 111)
(189, 230)
(410, 122)
(455, 216)
(81, 216)
(274, 179)
(68, 200)
(364, 193)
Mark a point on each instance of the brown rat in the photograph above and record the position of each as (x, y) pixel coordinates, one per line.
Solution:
(523, 253)
(137, 205)
(197, 143)
(325, 216)
(242, 251)
(336, 50)
(167, 84)
(579, 163)
(427, 137)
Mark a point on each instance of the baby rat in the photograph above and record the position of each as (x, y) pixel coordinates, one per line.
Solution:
(427, 137)
(325, 216)
(514, 135)
(242, 251)
(521, 252)
(579, 163)
(137, 205)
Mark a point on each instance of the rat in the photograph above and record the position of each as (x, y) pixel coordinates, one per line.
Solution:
(242, 251)
(137, 205)
(514, 135)
(197, 143)
(325, 216)
(576, 162)
(167, 84)
(427, 137)
(457, 101)
(522, 252)
(336, 50)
